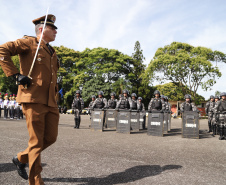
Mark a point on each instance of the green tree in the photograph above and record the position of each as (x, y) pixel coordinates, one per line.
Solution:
(187, 66)
(110, 66)
(67, 72)
(8, 84)
(138, 69)
(173, 93)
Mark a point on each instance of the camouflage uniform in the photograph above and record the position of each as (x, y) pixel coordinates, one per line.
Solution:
(220, 110)
(77, 106)
(209, 110)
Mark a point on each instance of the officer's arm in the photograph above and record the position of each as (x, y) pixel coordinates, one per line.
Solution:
(194, 108)
(149, 105)
(207, 107)
(118, 103)
(10, 49)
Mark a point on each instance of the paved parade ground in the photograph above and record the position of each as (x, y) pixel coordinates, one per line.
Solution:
(82, 156)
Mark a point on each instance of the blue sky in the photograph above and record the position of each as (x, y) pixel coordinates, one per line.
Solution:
(118, 24)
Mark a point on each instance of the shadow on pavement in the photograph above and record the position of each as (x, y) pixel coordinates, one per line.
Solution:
(130, 175)
(8, 167)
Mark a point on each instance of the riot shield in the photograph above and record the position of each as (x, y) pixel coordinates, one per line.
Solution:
(111, 118)
(142, 119)
(169, 121)
(123, 121)
(190, 125)
(165, 121)
(134, 120)
(155, 124)
(97, 120)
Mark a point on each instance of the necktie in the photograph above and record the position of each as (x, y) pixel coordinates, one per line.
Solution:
(50, 49)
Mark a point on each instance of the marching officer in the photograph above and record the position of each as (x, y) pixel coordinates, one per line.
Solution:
(113, 101)
(188, 105)
(209, 111)
(220, 110)
(36, 94)
(133, 102)
(100, 102)
(156, 103)
(77, 106)
(124, 102)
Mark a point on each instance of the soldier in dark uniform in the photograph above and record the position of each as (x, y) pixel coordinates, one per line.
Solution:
(214, 122)
(140, 105)
(91, 105)
(168, 105)
(156, 104)
(209, 110)
(100, 102)
(77, 106)
(133, 102)
(112, 102)
(220, 110)
(188, 105)
(124, 102)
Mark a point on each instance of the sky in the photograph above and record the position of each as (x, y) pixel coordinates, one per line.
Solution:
(118, 24)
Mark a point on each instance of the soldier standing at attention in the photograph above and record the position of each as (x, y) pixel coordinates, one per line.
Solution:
(91, 105)
(188, 105)
(156, 104)
(133, 102)
(209, 110)
(124, 102)
(100, 102)
(37, 95)
(77, 106)
(112, 102)
(220, 110)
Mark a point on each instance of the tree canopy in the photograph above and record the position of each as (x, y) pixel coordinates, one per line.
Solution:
(187, 66)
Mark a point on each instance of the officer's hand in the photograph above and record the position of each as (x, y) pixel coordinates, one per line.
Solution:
(22, 80)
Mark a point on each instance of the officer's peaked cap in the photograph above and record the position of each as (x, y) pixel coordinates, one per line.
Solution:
(50, 20)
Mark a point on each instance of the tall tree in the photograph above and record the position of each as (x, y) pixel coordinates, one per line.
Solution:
(138, 69)
(187, 66)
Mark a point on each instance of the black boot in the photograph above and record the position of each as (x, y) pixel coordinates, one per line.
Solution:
(75, 123)
(221, 129)
(20, 168)
(214, 130)
(210, 127)
(78, 125)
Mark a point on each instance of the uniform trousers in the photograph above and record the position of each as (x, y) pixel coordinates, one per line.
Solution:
(42, 124)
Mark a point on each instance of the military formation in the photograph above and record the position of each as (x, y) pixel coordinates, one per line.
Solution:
(10, 107)
(216, 110)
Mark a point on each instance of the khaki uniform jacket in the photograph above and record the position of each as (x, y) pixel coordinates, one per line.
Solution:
(43, 88)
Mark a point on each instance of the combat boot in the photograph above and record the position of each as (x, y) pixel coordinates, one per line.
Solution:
(221, 130)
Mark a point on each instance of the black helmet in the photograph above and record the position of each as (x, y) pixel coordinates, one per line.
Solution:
(101, 93)
(78, 92)
(93, 96)
(162, 96)
(166, 97)
(216, 97)
(223, 94)
(187, 96)
(133, 94)
(156, 92)
(211, 97)
(125, 91)
(139, 98)
(112, 94)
